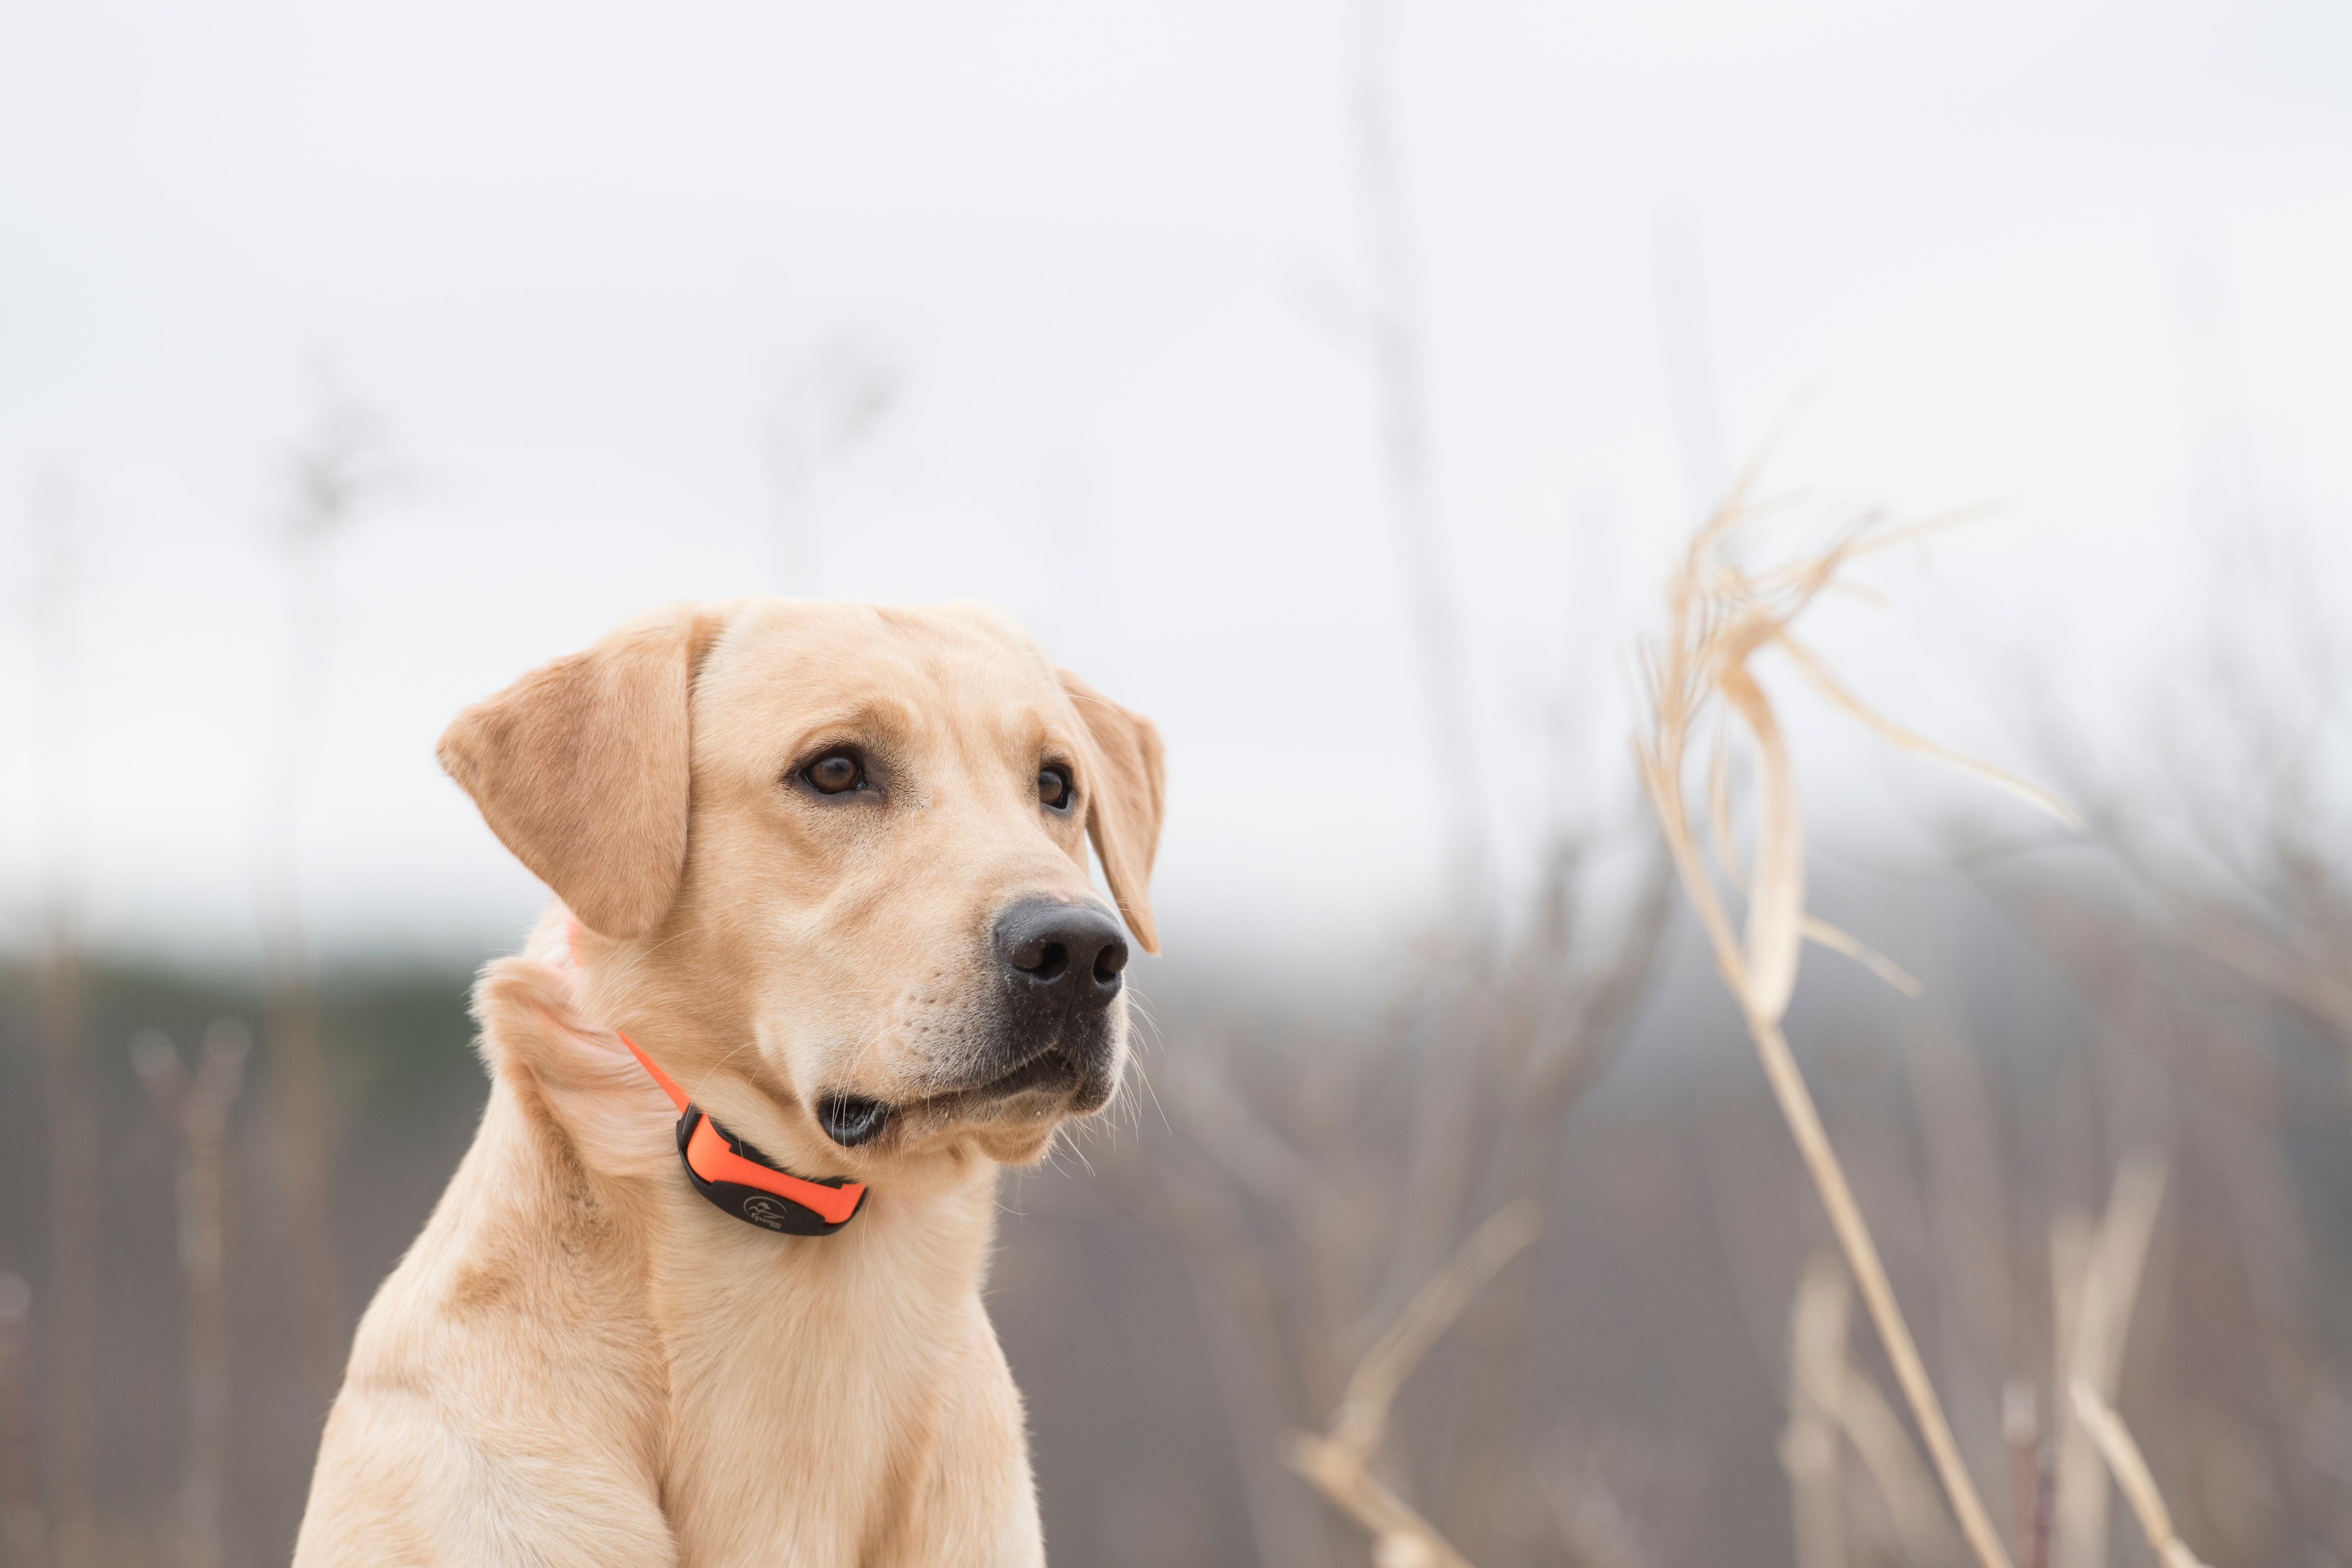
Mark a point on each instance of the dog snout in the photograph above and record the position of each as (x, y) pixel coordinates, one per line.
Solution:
(1064, 956)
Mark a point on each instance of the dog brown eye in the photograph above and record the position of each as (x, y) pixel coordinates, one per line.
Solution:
(835, 772)
(1054, 787)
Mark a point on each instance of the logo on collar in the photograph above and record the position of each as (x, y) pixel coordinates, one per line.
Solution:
(738, 1178)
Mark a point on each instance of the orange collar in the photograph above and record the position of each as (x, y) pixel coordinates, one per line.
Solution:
(739, 1179)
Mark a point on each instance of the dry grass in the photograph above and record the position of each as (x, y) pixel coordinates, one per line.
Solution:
(2097, 1277)
(1830, 1402)
(1322, 1183)
(1720, 615)
(1809, 1450)
(2123, 1457)
(1340, 1460)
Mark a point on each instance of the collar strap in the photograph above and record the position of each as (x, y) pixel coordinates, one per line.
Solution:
(738, 1178)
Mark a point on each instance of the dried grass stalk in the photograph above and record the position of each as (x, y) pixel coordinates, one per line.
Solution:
(1809, 1447)
(1340, 1462)
(2021, 1433)
(1829, 1399)
(1719, 617)
(2103, 1271)
(2123, 1457)
(1896, 1469)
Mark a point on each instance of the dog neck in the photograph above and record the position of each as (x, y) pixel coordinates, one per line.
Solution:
(729, 1174)
(615, 1114)
(737, 1179)
(827, 1357)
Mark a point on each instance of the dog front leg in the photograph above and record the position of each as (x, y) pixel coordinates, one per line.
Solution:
(974, 1501)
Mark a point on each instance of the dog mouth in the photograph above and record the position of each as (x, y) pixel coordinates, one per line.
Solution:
(852, 1120)
(1048, 1069)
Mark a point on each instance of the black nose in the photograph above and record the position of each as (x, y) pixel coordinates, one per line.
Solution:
(1071, 953)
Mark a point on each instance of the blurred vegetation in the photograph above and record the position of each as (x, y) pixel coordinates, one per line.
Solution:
(406, 1090)
(1177, 1305)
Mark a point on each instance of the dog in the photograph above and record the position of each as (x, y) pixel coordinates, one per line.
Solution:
(823, 955)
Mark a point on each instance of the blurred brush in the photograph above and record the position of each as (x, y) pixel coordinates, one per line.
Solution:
(24, 1529)
(198, 1107)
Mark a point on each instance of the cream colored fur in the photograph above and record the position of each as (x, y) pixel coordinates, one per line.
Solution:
(580, 1362)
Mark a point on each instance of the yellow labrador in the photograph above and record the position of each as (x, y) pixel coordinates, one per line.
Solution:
(820, 873)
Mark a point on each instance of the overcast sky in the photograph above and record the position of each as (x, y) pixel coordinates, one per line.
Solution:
(595, 267)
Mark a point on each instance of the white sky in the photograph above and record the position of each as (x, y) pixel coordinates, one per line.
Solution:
(578, 257)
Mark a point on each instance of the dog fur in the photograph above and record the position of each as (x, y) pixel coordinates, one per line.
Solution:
(580, 1362)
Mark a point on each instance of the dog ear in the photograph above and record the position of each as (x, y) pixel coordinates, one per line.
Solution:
(1125, 798)
(580, 768)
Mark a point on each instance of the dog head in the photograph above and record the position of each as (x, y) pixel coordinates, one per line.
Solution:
(831, 861)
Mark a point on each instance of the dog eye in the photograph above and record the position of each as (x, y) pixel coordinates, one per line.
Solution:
(835, 772)
(1054, 787)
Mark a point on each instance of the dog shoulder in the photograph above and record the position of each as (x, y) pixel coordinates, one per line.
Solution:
(471, 1428)
(399, 1483)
